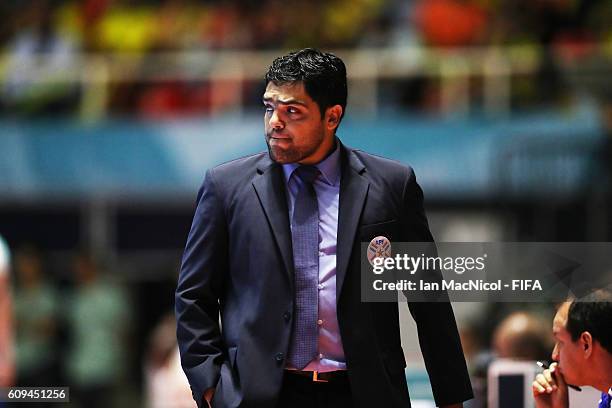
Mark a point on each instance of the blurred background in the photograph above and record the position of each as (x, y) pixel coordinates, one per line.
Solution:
(112, 110)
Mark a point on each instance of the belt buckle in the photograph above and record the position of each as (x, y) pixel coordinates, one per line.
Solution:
(315, 377)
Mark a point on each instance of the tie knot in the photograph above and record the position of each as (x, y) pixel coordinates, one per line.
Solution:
(308, 174)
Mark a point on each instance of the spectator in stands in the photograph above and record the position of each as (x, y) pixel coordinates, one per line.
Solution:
(582, 352)
(41, 67)
(98, 317)
(451, 23)
(36, 309)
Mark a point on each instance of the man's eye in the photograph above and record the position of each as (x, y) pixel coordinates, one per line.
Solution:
(268, 108)
(291, 109)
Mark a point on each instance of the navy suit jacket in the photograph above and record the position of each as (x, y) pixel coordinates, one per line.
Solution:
(237, 270)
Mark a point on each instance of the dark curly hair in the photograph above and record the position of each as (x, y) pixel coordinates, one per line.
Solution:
(592, 313)
(323, 75)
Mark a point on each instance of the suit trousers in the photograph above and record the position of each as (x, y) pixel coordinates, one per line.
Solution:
(302, 392)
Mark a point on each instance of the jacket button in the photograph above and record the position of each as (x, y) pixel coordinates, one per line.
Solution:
(287, 316)
(279, 357)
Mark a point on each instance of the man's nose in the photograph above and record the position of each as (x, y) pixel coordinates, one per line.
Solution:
(275, 121)
(555, 353)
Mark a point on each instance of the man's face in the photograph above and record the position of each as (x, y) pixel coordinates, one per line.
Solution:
(294, 126)
(567, 353)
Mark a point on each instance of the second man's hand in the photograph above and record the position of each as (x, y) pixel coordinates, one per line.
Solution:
(550, 389)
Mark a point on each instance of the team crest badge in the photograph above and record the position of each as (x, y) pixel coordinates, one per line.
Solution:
(380, 247)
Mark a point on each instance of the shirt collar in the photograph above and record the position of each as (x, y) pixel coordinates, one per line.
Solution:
(329, 167)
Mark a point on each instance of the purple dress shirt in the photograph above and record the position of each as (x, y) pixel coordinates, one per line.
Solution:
(327, 186)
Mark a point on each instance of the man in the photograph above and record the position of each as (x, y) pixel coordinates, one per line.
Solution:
(582, 353)
(275, 249)
(522, 336)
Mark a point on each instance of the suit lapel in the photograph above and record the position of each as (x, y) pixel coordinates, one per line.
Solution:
(270, 189)
(353, 191)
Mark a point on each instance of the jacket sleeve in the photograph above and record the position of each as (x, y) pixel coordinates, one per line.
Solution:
(200, 284)
(437, 330)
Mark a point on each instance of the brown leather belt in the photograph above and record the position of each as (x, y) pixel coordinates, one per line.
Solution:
(316, 376)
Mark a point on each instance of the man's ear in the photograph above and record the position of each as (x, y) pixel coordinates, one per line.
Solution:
(586, 343)
(333, 116)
